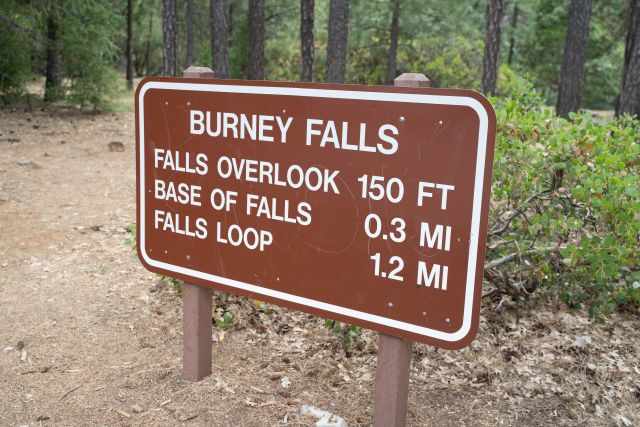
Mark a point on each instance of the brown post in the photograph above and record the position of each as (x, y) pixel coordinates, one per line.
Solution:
(196, 306)
(394, 354)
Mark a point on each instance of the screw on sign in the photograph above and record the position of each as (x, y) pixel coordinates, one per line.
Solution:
(362, 204)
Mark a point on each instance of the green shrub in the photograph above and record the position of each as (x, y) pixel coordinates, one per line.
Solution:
(449, 63)
(566, 206)
(15, 60)
(89, 51)
(346, 332)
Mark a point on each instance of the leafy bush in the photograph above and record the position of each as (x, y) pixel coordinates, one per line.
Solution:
(15, 60)
(566, 206)
(452, 62)
(346, 332)
(89, 65)
(518, 88)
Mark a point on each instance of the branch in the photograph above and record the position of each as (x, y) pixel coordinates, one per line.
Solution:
(515, 212)
(508, 258)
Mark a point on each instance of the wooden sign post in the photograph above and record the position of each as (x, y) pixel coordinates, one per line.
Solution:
(394, 354)
(364, 204)
(196, 304)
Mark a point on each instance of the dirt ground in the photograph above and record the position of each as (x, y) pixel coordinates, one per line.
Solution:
(88, 337)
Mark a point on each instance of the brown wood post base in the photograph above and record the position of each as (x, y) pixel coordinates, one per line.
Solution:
(394, 354)
(196, 335)
(392, 381)
(196, 306)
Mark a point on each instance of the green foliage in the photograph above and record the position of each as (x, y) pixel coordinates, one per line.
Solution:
(88, 66)
(347, 333)
(566, 203)
(176, 284)
(543, 45)
(448, 62)
(15, 62)
(223, 319)
(15, 66)
(517, 88)
(131, 236)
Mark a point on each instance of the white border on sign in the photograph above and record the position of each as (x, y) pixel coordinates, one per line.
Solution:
(335, 94)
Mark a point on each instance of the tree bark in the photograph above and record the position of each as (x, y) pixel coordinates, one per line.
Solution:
(514, 28)
(229, 12)
(306, 39)
(219, 38)
(394, 32)
(338, 39)
(495, 11)
(189, 28)
(170, 66)
(575, 47)
(129, 44)
(53, 84)
(630, 91)
(147, 47)
(256, 40)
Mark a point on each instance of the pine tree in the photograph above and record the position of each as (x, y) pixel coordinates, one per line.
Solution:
(575, 50)
(170, 65)
(306, 39)
(338, 37)
(630, 92)
(256, 40)
(394, 33)
(495, 10)
(219, 38)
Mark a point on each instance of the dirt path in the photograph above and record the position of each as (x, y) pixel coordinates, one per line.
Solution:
(87, 336)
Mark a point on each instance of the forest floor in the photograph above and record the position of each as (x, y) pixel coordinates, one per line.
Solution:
(88, 337)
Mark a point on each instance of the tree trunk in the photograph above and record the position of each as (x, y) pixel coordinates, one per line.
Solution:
(306, 39)
(189, 28)
(53, 84)
(229, 15)
(495, 10)
(575, 47)
(219, 40)
(219, 37)
(630, 91)
(129, 43)
(170, 65)
(393, 41)
(514, 28)
(147, 48)
(256, 40)
(337, 43)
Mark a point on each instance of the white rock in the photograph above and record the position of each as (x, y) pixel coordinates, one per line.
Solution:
(582, 341)
(623, 421)
(285, 382)
(325, 418)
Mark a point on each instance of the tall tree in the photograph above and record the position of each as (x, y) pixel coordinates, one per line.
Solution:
(129, 44)
(495, 10)
(306, 39)
(53, 82)
(629, 102)
(189, 27)
(514, 28)
(170, 65)
(219, 38)
(338, 38)
(256, 40)
(575, 48)
(147, 45)
(393, 41)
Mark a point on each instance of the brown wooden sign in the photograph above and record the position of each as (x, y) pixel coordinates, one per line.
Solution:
(363, 204)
